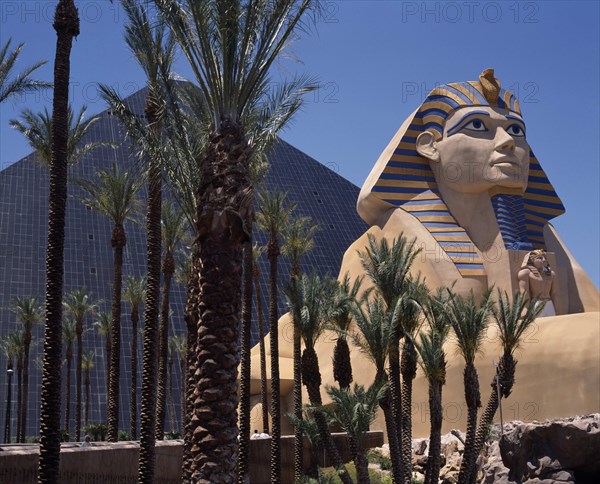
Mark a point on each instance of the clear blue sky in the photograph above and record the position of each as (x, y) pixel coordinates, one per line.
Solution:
(376, 62)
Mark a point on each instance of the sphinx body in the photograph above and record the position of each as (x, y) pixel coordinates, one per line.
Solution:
(461, 179)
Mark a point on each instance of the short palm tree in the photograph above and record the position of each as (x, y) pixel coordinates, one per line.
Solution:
(469, 322)
(69, 335)
(79, 306)
(513, 319)
(272, 217)
(14, 85)
(430, 347)
(134, 294)
(354, 412)
(66, 24)
(37, 128)
(10, 347)
(87, 365)
(28, 312)
(113, 193)
(311, 304)
(103, 324)
(256, 253)
(376, 326)
(173, 229)
(231, 47)
(298, 239)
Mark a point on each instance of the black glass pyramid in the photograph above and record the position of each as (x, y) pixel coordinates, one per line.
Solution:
(318, 191)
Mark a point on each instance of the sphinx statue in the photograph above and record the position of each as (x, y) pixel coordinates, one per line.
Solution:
(461, 179)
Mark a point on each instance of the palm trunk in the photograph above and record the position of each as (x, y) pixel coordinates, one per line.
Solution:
(273, 253)
(409, 371)
(263, 358)
(66, 24)
(170, 393)
(192, 318)
(392, 429)
(182, 393)
(108, 351)
(473, 398)
(78, 365)
(244, 458)
(68, 390)
(20, 438)
(506, 374)
(311, 376)
(298, 434)
(395, 403)
(135, 316)
(118, 241)
(23, 408)
(7, 419)
(151, 308)
(163, 349)
(86, 408)
(432, 472)
(342, 367)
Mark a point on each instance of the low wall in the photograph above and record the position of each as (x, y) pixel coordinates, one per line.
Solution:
(104, 463)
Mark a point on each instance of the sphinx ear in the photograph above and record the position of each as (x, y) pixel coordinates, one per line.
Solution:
(427, 146)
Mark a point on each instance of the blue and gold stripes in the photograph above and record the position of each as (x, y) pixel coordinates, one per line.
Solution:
(407, 181)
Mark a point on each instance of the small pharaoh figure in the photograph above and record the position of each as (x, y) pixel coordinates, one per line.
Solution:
(537, 279)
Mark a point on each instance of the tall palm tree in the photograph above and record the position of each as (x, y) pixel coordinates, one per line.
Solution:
(66, 24)
(298, 239)
(231, 46)
(134, 294)
(256, 253)
(311, 304)
(173, 228)
(469, 321)
(430, 347)
(11, 347)
(513, 320)
(113, 193)
(28, 312)
(87, 365)
(14, 85)
(354, 412)
(103, 324)
(272, 217)
(78, 305)
(69, 335)
(377, 326)
(37, 129)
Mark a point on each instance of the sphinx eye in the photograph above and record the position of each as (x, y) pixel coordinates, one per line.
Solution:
(515, 130)
(475, 125)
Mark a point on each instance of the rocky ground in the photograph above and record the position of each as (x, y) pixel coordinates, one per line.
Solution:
(554, 451)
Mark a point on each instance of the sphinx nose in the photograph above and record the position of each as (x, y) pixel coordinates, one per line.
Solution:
(503, 140)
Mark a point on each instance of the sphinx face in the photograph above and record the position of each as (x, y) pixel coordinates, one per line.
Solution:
(481, 148)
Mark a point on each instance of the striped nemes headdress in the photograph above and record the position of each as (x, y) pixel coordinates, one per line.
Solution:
(403, 178)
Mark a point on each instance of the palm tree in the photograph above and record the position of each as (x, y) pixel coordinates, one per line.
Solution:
(272, 217)
(173, 349)
(298, 239)
(103, 325)
(354, 412)
(22, 82)
(134, 294)
(79, 305)
(377, 326)
(231, 47)
(310, 301)
(469, 321)
(37, 128)
(69, 334)
(28, 312)
(174, 226)
(87, 365)
(11, 347)
(66, 24)
(113, 194)
(430, 347)
(179, 345)
(256, 253)
(513, 320)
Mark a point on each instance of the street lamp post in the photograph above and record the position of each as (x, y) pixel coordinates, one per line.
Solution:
(9, 374)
